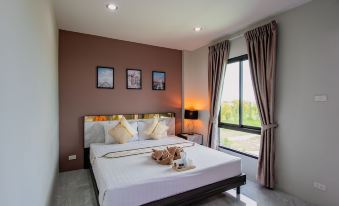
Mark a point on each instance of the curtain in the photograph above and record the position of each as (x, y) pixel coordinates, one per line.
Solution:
(217, 60)
(262, 46)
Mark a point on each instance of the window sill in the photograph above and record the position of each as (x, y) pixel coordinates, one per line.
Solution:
(239, 152)
(247, 129)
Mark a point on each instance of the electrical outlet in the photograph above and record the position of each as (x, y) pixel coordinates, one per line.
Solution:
(319, 186)
(321, 98)
(72, 157)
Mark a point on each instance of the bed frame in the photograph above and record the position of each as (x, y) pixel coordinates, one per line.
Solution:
(185, 198)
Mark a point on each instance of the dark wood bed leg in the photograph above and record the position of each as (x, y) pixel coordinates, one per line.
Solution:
(238, 190)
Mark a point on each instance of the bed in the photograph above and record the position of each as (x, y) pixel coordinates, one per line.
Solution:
(138, 180)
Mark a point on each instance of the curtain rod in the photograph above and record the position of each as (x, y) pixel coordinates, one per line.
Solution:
(242, 34)
(236, 37)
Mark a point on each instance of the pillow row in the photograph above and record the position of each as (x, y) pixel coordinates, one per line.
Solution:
(120, 132)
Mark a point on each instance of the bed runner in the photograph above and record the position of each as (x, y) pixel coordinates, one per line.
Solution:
(145, 150)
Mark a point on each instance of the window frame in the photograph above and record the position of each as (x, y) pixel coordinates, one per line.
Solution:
(238, 127)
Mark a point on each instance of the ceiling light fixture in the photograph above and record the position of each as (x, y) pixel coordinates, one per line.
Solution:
(197, 29)
(112, 7)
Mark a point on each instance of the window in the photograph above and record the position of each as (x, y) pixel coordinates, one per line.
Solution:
(239, 120)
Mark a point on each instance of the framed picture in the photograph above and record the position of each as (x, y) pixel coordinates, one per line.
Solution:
(105, 77)
(158, 80)
(133, 79)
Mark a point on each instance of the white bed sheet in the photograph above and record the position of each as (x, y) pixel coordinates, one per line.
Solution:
(136, 180)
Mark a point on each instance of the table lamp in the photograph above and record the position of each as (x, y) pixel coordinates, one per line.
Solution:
(191, 115)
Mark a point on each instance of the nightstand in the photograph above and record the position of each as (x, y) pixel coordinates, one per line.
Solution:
(197, 138)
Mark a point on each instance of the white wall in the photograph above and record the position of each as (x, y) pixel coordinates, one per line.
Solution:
(195, 87)
(29, 102)
(307, 137)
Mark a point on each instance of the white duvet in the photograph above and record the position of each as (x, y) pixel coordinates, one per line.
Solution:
(138, 179)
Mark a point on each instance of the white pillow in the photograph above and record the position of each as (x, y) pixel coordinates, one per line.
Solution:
(110, 140)
(146, 127)
(160, 130)
(94, 132)
(170, 122)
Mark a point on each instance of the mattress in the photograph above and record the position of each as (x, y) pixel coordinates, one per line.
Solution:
(138, 179)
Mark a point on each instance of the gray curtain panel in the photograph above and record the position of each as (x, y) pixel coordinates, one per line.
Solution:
(262, 47)
(217, 60)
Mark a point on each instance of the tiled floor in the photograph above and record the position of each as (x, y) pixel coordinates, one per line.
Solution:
(75, 189)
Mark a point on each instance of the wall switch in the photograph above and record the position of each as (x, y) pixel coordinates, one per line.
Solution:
(320, 98)
(319, 186)
(72, 157)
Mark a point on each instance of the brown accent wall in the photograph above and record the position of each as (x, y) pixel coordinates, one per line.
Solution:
(79, 55)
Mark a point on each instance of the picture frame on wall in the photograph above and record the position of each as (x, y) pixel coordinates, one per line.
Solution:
(105, 77)
(158, 80)
(133, 79)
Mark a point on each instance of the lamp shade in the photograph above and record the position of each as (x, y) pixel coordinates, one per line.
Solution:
(191, 114)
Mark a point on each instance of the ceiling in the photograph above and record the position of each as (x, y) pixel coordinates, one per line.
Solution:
(166, 23)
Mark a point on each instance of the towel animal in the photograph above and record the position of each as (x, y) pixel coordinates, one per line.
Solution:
(163, 157)
(175, 152)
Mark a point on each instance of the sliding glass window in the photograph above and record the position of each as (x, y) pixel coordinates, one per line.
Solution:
(239, 120)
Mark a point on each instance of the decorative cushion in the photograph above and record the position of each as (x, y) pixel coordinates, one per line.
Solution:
(127, 125)
(108, 138)
(120, 134)
(160, 131)
(146, 127)
(145, 123)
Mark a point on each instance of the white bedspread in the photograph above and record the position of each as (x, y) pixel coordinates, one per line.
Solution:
(136, 180)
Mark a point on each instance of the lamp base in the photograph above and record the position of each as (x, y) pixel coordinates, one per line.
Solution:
(190, 127)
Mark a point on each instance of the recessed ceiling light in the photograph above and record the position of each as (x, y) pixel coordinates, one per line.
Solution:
(112, 7)
(197, 29)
